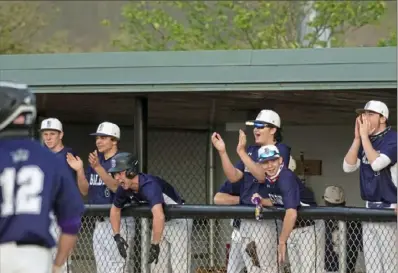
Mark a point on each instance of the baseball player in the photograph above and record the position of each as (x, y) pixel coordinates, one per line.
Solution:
(286, 190)
(334, 197)
(171, 239)
(100, 187)
(52, 134)
(267, 130)
(374, 152)
(33, 182)
(229, 195)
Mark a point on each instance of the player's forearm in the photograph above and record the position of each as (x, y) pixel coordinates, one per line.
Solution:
(371, 154)
(82, 182)
(266, 202)
(108, 180)
(352, 154)
(255, 169)
(233, 174)
(288, 224)
(226, 199)
(114, 218)
(157, 228)
(65, 247)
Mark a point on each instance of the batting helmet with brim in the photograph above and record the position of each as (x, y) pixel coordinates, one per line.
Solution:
(124, 162)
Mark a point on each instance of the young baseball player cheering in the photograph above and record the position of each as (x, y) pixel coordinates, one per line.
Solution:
(100, 186)
(267, 130)
(52, 134)
(286, 190)
(33, 183)
(170, 238)
(374, 152)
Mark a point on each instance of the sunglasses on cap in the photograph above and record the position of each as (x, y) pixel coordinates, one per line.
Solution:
(267, 154)
(261, 125)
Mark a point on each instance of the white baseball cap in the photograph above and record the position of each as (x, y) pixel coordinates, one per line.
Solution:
(107, 129)
(375, 106)
(268, 152)
(334, 195)
(266, 117)
(51, 124)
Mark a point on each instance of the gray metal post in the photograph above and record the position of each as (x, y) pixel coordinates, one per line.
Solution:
(342, 227)
(141, 150)
(210, 186)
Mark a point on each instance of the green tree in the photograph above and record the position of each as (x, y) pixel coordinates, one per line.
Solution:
(20, 27)
(192, 25)
(389, 41)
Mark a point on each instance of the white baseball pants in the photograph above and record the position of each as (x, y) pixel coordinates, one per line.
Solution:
(265, 235)
(380, 247)
(175, 248)
(26, 259)
(236, 260)
(306, 249)
(107, 257)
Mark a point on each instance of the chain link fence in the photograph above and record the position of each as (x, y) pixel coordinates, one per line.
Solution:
(246, 245)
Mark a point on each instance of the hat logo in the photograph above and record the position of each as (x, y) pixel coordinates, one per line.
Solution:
(48, 123)
(100, 127)
(266, 151)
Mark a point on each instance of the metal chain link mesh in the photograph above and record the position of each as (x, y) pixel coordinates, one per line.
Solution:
(179, 158)
(313, 246)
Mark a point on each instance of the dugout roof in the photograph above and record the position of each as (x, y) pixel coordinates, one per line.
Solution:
(185, 89)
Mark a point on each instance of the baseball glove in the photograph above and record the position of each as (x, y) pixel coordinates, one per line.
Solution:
(252, 252)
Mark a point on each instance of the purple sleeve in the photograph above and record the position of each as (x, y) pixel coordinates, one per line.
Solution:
(69, 205)
(290, 191)
(152, 192)
(389, 148)
(121, 198)
(226, 187)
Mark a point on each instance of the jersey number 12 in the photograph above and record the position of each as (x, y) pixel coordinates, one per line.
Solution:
(27, 199)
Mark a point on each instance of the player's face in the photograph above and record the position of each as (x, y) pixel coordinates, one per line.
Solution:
(263, 135)
(122, 180)
(271, 167)
(375, 120)
(52, 138)
(104, 143)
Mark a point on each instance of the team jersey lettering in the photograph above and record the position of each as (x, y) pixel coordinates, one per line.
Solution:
(95, 180)
(276, 199)
(27, 199)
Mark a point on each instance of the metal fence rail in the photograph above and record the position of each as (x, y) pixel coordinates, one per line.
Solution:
(325, 239)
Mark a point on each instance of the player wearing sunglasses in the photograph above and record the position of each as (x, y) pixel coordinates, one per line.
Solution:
(267, 131)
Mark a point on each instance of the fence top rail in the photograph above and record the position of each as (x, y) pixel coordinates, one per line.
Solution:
(247, 212)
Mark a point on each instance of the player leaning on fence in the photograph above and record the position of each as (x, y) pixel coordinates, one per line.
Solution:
(100, 187)
(374, 152)
(33, 183)
(259, 234)
(286, 190)
(52, 133)
(171, 238)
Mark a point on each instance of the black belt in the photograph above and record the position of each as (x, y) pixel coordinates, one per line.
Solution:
(31, 243)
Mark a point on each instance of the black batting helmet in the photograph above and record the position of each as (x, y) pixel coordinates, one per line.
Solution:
(124, 162)
(16, 100)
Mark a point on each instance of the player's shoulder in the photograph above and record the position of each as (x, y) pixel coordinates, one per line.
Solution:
(391, 136)
(253, 148)
(286, 173)
(283, 146)
(32, 147)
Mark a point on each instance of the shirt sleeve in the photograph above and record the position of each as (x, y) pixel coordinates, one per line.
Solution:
(68, 201)
(88, 173)
(240, 165)
(390, 149)
(290, 191)
(226, 187)
(153, 193)
(121, 198)
(285, 153)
